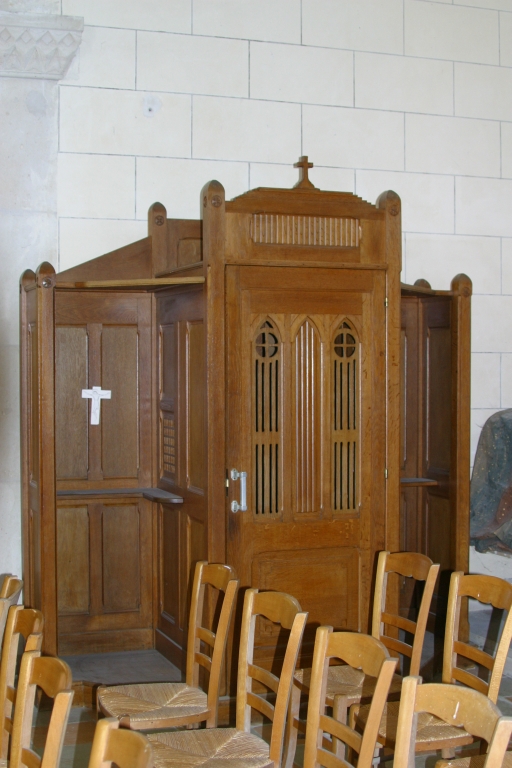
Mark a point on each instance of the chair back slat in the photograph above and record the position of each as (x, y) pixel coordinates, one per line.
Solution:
(409, 565)
(264, 676)
(472, 681)
(396, 645)
(400, 622)
(261, 705)
(206, 635)
(482, 658)
(204, 661)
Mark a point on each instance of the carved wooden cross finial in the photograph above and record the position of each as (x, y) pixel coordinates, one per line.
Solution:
(303, 165)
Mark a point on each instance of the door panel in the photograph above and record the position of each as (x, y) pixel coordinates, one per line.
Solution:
(103, 342)
(104, 574)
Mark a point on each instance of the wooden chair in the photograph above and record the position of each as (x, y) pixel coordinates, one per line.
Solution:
(22, 623)
(126, 749)
(360, 652)
(162, 705)
(486, 589)
(9, 595)
(345, 685)
(237, 747)
(459, 708)
(53, 677)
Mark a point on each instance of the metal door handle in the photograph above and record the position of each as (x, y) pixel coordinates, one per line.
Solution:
(242, 506)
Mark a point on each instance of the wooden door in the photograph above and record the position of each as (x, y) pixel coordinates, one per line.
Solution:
(104, 532)
(435, 427)
(306, 394)
(182, 460)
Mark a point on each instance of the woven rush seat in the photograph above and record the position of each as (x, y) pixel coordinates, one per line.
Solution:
(219, 747)
(431, 730)
(343, 680)
(153, 702)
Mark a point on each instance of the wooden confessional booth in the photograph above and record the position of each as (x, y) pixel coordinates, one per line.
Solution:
(271, 338)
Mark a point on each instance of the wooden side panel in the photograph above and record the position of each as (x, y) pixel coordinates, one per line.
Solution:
(195, 405)
(33, 389)
(170, 577)
(120, 431)
(73, 560)
(168, 354)
(439, 531)
(439, 398)
(412, 454)
(71, 434)
(121, 574)
(38, 446)
(182, 531)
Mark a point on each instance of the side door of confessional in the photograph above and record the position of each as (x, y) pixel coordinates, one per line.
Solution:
(182, 529)
(427, 519)
(306, 420)
(104, 531)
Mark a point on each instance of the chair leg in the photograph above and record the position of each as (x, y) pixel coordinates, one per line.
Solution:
(447, 753)
(290, 739)
(339, 712)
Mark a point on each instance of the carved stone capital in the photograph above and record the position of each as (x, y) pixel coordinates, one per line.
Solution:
(38, 46)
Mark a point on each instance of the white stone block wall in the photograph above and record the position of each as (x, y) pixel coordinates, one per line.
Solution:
(412, 95)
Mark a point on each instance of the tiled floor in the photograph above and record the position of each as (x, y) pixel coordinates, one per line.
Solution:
(126, 667)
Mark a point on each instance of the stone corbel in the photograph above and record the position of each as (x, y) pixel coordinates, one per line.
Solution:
(38, 46)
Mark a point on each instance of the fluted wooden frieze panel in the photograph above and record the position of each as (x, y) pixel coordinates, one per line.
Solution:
(283, 229)
(307, 418)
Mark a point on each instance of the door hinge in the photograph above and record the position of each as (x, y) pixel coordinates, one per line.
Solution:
(386, 302)
(386, 473)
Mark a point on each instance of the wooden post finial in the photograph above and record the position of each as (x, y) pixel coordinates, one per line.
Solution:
(304, 167)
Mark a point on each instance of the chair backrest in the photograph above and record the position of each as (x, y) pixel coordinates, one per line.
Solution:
(285, 610)
(9, 595)
(459, 707)
(223, 578)
(125, 748)
(490, 590)
(11, 588)
(361, 652)
(410, 565)
(53, 676)
(26, 623)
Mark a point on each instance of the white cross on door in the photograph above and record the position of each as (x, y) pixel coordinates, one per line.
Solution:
(96, 394)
